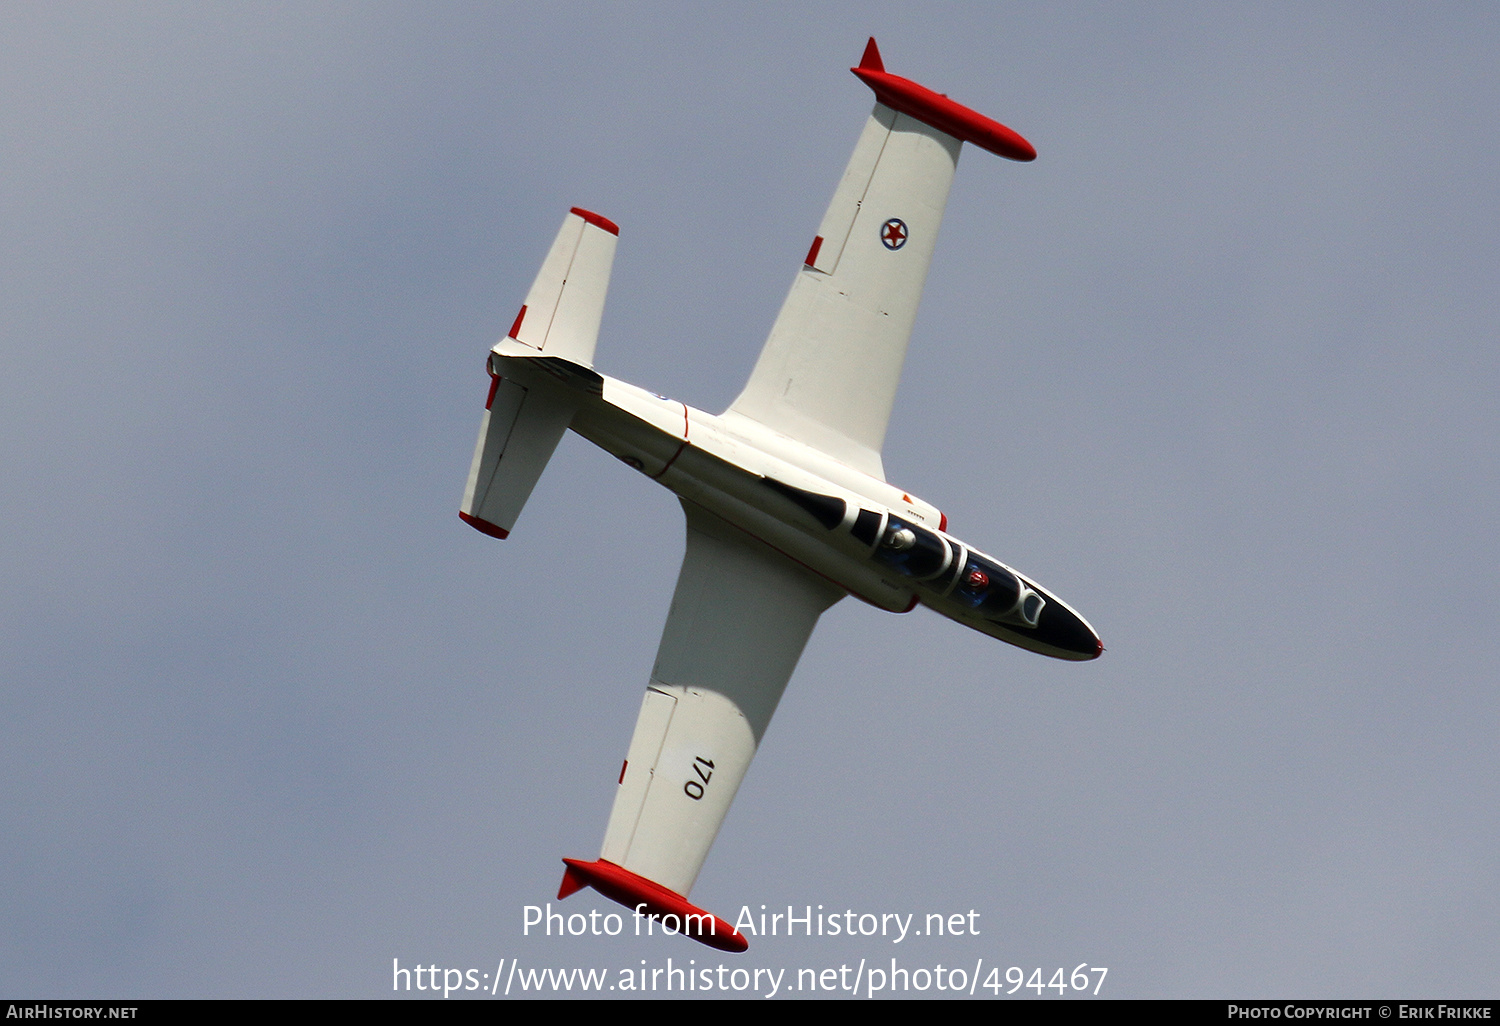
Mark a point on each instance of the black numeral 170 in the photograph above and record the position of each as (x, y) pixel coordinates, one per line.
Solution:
(694, 788)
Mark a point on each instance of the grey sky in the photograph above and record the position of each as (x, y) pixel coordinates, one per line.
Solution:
(1219, 368)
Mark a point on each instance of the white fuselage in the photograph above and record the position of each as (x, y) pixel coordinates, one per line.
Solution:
(864, 535)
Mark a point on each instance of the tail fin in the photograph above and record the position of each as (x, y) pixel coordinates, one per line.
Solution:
(523, 424)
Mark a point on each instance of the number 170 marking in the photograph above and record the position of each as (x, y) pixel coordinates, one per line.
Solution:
(693, 788)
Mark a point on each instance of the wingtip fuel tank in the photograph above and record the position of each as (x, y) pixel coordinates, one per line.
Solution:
(663, 911)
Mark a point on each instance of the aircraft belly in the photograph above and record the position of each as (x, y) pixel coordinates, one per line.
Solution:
(734, 494)
(633, 441)
(745, 502)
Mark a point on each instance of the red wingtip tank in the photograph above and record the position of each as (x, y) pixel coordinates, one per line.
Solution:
(946, 115)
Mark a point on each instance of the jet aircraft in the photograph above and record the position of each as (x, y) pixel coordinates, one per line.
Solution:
(788, 509)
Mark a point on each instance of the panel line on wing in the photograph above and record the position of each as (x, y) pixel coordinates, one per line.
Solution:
(828, 256)
(658, 707)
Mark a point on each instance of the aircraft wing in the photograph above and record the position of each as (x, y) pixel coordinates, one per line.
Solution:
(740, 617)
(828, 372)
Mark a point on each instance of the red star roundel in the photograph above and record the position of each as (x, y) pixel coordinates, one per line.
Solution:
(893, 233)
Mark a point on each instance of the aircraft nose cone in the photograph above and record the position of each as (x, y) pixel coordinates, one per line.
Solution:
(1064, 629)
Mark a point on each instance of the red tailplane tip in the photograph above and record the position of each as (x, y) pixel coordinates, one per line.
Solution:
(598, 220)
(483, 526)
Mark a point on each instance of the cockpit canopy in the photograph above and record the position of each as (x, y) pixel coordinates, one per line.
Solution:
(913, 551)
(975, 583)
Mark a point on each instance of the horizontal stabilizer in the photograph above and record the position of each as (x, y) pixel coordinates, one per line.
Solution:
(562, 311)
(637, 893)
(520, 431)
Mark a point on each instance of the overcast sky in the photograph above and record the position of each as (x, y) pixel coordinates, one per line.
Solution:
(1219, 368)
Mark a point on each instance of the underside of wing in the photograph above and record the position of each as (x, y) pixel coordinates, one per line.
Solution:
(740, 617)
(828, 373)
